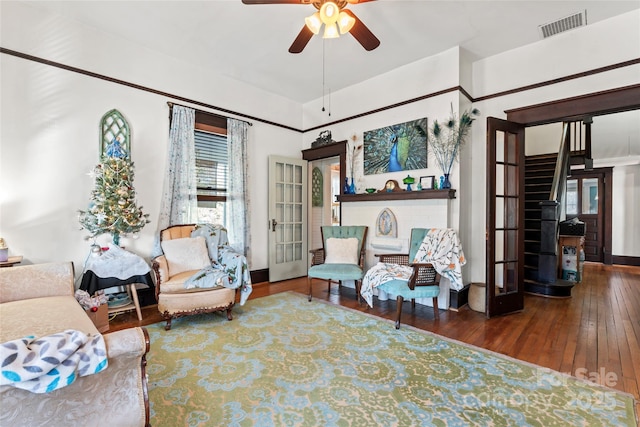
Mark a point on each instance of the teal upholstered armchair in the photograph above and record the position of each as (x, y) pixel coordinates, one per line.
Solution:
(341, 256)
(423, 283)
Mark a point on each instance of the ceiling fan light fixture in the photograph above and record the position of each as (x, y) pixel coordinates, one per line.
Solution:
(329, 12)
(313, 23)
(345, 22)
(331, 31)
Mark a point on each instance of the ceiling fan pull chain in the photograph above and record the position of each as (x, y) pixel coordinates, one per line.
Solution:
(323, 74)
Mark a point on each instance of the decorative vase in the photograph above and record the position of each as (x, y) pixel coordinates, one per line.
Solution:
(445, 183)
(345, 190)
(352, 187)
(408, 181)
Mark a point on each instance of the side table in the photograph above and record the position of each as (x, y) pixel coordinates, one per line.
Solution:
(92, 283)
(133, 295)
(11, 261)
(117, 267)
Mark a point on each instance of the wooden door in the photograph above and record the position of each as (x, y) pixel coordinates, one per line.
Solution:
(505, 217)
(587, 199)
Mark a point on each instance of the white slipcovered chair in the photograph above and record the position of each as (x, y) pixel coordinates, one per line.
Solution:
(191, 249)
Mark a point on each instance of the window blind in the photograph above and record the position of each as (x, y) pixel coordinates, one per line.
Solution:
(211, 163)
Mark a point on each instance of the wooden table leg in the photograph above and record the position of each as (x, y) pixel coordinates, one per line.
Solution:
(134, 295)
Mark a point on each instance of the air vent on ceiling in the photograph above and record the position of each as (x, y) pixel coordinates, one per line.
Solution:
(565, 24)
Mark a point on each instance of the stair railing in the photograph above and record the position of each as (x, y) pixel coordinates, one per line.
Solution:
(550, 213)
(562, 166)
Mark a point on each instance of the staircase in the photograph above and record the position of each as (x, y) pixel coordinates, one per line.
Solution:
(539, 171)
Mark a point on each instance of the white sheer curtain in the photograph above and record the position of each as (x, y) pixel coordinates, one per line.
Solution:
(179, 204)
(237, 206)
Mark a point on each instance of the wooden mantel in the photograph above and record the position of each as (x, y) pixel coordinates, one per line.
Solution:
(398, 195)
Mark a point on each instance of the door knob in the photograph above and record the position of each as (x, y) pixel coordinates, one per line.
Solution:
(273, 224)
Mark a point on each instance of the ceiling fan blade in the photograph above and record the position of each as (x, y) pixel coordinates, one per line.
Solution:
(301, 41)
(276, 1)
(358, 1)
(361, 33)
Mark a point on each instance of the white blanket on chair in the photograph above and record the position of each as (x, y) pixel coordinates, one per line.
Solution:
(51, 362)
(442, 248)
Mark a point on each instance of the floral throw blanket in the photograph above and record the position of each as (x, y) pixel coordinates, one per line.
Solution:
(382, 273)
(440, 247)
(51, 362)
(228, 268)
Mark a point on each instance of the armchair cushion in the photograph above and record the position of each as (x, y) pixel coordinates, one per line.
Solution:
(342, 251)
(399, 287)
(185, 254)
(334, 271)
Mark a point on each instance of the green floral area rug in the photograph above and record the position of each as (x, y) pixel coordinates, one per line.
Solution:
(284, 361)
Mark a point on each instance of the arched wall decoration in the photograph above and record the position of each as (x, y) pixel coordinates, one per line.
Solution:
(386, 224)
(115, 136)
(317, 188)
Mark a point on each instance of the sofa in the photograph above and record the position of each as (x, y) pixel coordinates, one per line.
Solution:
(38, 300)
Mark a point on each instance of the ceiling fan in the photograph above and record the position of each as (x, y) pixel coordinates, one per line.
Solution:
(336, 19)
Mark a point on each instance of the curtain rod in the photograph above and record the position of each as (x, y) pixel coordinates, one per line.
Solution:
(171, 104)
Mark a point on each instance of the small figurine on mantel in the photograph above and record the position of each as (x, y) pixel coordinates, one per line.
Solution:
(323, 139)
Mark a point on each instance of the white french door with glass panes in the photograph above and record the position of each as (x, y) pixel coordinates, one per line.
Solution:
(287, 218)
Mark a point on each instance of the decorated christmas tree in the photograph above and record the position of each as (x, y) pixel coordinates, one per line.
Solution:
(112, 208)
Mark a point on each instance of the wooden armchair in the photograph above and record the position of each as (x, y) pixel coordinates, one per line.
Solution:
(176, 266)
(423, 283)
(341, 256)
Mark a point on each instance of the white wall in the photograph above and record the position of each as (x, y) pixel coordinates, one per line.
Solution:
(49, 133)
(604, 43)
(49, 122)
(421, 77)
(626, 214)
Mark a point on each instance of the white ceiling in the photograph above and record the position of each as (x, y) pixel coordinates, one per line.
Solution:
(250, 43)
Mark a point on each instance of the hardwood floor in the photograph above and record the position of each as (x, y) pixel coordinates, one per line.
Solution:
(595, 334)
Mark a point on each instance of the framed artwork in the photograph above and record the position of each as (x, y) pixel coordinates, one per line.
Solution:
(115, 137)
(317, 188)
(396, 148)
(386, 224)
(426, 182)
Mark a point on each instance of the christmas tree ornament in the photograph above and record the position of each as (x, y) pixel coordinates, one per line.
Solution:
(96, 250)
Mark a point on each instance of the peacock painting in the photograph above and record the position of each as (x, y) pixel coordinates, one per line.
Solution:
(396, 148)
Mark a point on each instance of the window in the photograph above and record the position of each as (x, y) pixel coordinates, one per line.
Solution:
(582, 193)
(211, 168)
(572, 197)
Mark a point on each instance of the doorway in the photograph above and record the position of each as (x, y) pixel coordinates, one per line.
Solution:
(587, 199)
(325, 187)
(331, 158)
